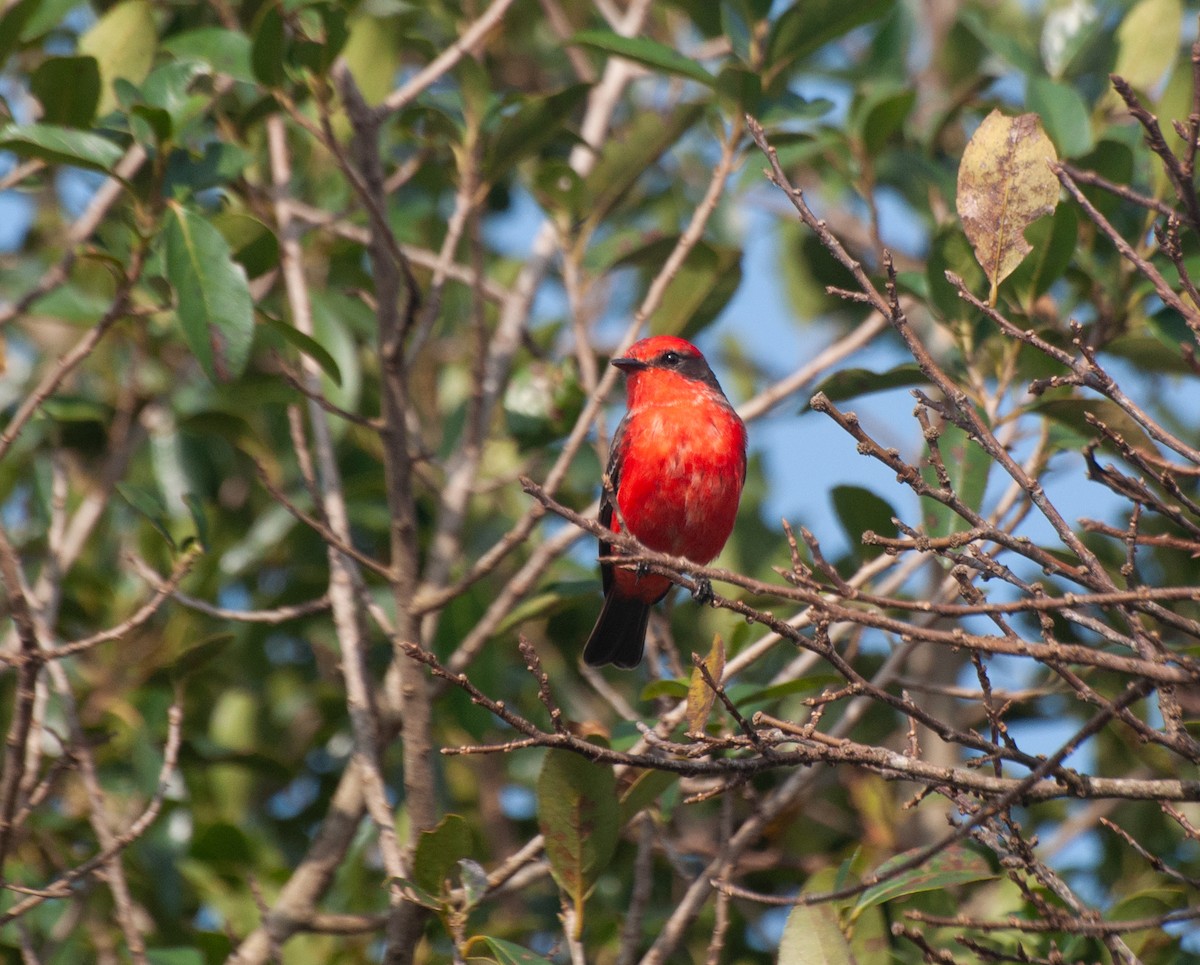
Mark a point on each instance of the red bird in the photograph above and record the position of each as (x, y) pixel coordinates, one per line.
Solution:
(676, 471)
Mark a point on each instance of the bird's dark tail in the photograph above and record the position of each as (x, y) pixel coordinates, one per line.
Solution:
(620, 633)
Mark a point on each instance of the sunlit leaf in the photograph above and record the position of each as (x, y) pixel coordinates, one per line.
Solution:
(1147, 40)
(812, 936)
(123, 42)
(701, 696)
(1004, 185)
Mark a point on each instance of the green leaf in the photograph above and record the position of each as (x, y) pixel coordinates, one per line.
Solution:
(254, 245)
(174, 956)
(812, 936)
(214, 303)
(438, 852)
(806, 27)
(508, 953)
(951, 251)
(643, 50)
(954, 866)
(852, 383)
(706, 281)
(69, 90)
(225, 51)
(644, 791)
(1064, 115)
(968, 467)
(1073, 414)
(61, 145)
(372, 54)
(746, 694)
(123, 41)
(578, 816)
(305, 344)
(149, 505)
(629, 153)
(537, 122)
(1000, 41)
(881, 115)
(666, 687)
(1053, 240)
(859, 510)
(196, 510)
(266, 51)
(13, 24)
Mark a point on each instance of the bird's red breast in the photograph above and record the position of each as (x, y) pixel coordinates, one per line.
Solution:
(680, 458)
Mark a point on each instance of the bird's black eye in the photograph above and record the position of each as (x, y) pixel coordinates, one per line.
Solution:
(671, 359)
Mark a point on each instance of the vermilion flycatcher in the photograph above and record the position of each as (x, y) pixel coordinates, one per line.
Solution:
(676, 470)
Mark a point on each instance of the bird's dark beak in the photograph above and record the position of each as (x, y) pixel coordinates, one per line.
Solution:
(626, 364)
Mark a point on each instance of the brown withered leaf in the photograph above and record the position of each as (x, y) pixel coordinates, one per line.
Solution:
(1004, 185)
(700, 696)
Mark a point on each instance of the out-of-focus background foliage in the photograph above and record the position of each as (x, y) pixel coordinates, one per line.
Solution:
(173, 314)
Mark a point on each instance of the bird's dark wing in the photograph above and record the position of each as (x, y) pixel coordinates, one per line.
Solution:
(608, 497)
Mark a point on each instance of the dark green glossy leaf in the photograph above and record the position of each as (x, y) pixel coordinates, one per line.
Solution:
(954, 866)
(643, 50)
(438, 852)
(882, 115)
(806, 27)
(629, 152)
(852, 383)
(859, 510)
(13, 24)
(214, 303)
(267, 48)
(69, 90)
(665, 687)
(306, 344)
(60, 145)
(706, 281)
(536, 123)
(149, 505)
(1054, 240)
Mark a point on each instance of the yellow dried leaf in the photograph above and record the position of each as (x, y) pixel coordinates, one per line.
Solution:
(700, 696)
(1004, 185)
